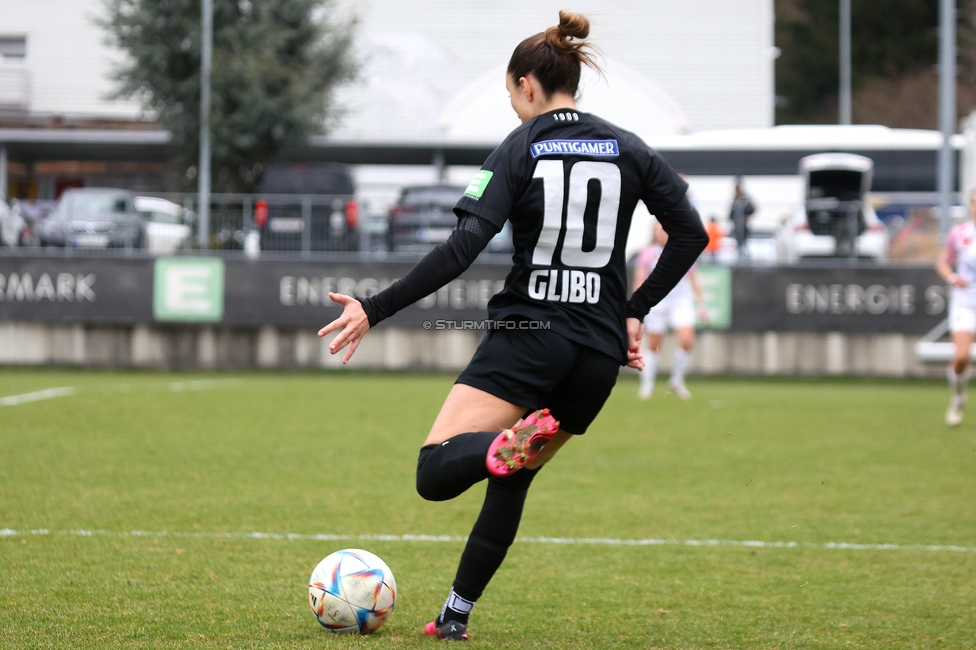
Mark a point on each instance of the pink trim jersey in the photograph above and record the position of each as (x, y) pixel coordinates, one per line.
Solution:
(647, 260)
(961, 255)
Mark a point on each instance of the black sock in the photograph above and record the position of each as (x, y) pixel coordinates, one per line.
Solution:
(492, 534)
(446, 470)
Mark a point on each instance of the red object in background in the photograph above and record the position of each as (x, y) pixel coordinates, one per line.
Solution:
(62, 184)
(715, 234)
(260, 213)
(352, 214)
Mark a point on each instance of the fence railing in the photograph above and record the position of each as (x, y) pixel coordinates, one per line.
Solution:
(302, 225)
(288, 223)
(315, 225)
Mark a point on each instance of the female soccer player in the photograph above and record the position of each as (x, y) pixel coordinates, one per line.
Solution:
(960, 252)
(677, 309)
(568, 182)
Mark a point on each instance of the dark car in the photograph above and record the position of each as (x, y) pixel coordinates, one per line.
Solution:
(308, 207)
(424, 217)
(93, 218)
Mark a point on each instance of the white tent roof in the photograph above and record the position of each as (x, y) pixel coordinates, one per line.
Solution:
(817, 137)
(482, 112)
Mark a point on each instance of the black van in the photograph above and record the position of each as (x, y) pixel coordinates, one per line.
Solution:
(307, 207)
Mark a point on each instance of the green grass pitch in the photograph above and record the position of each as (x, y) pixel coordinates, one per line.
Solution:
(198, 462)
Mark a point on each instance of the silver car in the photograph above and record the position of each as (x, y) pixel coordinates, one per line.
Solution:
(93, 218)
(835, 219)
(167, 226)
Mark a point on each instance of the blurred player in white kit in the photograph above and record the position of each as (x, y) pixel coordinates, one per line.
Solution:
(677, 310)
(957, 266)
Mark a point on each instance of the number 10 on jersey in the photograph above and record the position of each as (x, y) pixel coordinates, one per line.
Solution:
(576, 286)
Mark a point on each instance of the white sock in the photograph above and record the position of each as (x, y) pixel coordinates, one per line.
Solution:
(458, 606)
(681, 360)
(649, 372)
(958, 383)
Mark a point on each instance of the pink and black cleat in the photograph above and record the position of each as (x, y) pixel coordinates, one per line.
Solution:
(518, 446)
(447, 631)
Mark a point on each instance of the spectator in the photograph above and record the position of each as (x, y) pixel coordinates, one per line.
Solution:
(742, 209)
(715, 233)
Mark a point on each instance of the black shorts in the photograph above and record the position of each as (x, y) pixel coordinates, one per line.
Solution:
(542, 369)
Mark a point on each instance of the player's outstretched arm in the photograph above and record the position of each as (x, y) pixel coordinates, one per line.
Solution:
(441, 265)
(352, 321)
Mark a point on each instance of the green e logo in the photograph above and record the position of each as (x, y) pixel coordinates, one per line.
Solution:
(188, 289)
(479, 183)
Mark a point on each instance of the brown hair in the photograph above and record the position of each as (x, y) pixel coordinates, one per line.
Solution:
(555, 55)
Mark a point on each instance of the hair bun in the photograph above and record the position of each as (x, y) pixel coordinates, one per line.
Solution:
(555, 55)
(573, 24)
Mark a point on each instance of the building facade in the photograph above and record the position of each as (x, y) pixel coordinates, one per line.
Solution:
(54, 61)
(709, 61)
(713, 58)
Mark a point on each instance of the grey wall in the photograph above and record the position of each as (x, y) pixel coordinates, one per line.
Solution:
(209, 347)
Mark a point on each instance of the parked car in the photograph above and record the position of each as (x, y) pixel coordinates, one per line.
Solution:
(835, 219)
(423, 217)
(13, 227)
(93, 218)
(330, 210)
(167, 224)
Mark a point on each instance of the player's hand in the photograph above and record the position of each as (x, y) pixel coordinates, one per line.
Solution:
(960, 282)
(703, 315)
(352, 321)
(635, 332)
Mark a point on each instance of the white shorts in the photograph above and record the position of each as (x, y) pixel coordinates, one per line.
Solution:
(677, 313)
(962, 318)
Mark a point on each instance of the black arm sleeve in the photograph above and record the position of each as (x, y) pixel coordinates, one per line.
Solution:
(437, 268)
(686, 241)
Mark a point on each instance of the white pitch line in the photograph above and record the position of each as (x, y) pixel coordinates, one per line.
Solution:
(598, 541)
(47, 393)
(201, 384)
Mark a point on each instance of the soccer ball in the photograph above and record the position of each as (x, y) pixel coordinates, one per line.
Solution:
(352, 591)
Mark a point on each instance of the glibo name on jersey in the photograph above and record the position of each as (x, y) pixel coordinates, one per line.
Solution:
(565, 286)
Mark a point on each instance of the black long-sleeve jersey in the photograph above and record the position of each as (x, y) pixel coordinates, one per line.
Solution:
(569, 182)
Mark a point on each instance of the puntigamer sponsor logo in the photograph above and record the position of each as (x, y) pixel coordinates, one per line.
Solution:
(55, 287)
(607, 148)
